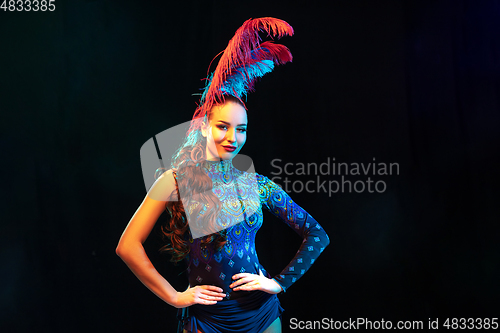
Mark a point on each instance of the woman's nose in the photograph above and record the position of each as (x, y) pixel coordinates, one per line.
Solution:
(231, 135)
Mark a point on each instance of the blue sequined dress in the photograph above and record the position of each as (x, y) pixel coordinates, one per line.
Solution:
(242, 196)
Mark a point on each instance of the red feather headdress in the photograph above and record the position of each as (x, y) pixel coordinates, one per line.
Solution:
(244, 60)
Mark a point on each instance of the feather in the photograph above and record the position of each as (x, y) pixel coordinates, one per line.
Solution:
(244, 60)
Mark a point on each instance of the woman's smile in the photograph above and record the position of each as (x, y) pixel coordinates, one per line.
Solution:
(229, 148)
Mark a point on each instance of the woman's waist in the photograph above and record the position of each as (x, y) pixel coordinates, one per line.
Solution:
(239, 300)
(248, 263)
(221, 276)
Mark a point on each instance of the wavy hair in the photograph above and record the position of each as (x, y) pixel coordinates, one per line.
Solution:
(188, 164)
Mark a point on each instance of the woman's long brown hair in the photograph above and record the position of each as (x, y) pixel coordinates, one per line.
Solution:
(188, 164)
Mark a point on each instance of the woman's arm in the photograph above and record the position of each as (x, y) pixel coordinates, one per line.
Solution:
(131, 250)
(279, 203)
(315, 239)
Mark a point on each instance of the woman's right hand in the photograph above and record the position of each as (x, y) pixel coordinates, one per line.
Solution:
(204, 294)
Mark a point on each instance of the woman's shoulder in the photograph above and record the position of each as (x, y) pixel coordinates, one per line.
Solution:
(167, 175)
(164, 186)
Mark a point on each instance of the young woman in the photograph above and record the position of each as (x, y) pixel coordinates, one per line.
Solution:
(216, 209)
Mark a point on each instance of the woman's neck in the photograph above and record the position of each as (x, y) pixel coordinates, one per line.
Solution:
(225, 166)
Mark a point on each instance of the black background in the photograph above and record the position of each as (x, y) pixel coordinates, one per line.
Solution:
(410, 82)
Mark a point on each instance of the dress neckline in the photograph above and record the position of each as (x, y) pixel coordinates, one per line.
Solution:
(216, 166)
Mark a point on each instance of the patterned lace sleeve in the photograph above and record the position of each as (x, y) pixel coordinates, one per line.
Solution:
(315, 239)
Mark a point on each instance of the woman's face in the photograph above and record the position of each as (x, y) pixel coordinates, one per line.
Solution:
(226, 132)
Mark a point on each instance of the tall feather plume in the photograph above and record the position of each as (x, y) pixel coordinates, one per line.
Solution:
(244, 60)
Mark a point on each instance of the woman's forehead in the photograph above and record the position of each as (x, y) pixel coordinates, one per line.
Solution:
(230, 112)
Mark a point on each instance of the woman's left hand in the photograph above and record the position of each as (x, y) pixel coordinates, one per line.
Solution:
(250, 282)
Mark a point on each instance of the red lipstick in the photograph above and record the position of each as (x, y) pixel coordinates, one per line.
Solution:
(229, 148)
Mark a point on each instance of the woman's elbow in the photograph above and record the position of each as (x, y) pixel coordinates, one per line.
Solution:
(119, 250)
(122, 249)
(327, 240)
(128, 248)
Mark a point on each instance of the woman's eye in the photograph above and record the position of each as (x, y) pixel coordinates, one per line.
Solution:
(222, 127)
(242, 130)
